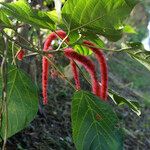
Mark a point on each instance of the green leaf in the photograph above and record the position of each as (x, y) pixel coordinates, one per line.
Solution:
(22, 11)
(90, 37)
(22, 102)
(103, 17)
(2, 45)
(94, 124)
(129, 29)
(141, 56)
(74, 38)
(4, 21)
(95, 39)
(82, 50)
(135, 45)
(118, 100)
(53, 15)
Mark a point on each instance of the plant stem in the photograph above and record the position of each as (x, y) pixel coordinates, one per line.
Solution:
(4, 89)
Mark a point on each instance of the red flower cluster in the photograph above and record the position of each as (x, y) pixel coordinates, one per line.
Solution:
(97, 89)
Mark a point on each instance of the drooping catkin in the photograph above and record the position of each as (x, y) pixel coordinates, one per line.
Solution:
(75, 74)
(88, 64)
(45, 63)
(45, 66)
(103, 68)
(54, 35)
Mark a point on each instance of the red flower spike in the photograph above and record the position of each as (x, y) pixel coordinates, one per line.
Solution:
(45, 66)
(75, 74)
(45, 63)
(20, 54)
(88, 64)
(103, 68)
(53, 36)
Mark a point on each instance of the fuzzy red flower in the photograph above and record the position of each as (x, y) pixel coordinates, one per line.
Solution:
(103, 68)
(75, 74)
(88, 64)
(45, 63)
